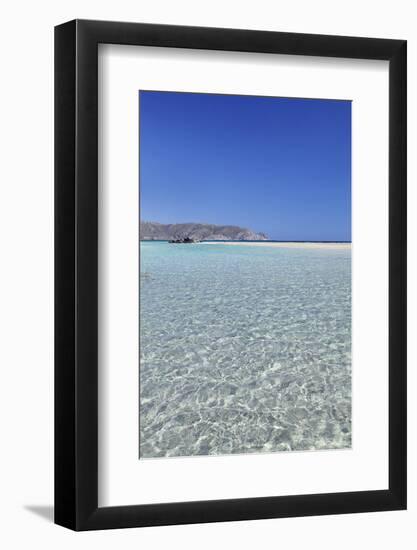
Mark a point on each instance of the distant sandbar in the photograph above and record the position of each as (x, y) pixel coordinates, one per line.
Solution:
(326, 246)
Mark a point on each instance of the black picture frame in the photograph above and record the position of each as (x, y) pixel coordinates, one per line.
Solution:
(76, 272)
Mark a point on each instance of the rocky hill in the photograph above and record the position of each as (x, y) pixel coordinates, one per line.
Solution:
(200, 231)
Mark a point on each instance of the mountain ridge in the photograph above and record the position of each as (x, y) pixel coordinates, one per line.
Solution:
(200, 231)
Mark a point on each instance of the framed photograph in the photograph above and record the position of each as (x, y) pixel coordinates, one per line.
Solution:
(230, 248)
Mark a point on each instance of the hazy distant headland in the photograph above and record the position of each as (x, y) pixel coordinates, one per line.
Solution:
(200, 231)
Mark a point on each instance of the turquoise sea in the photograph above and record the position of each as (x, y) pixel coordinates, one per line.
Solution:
(243, 349)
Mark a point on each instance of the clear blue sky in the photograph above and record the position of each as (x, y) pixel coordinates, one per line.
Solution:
(277, 165)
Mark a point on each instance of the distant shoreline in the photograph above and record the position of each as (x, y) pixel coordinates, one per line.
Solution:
(329, 245)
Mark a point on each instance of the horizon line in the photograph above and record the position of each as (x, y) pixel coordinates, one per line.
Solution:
(259, 241)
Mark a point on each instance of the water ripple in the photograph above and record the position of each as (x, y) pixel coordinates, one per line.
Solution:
(244, 350)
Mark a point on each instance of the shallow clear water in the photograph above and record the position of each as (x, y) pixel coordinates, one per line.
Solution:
(243, 349)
